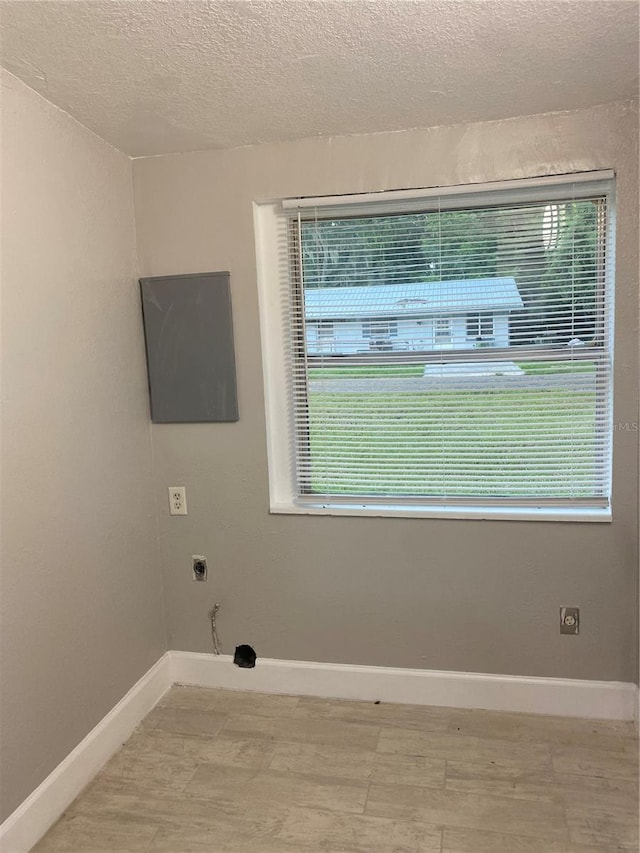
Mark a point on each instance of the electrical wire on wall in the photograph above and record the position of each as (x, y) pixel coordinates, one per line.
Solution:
(214, 629)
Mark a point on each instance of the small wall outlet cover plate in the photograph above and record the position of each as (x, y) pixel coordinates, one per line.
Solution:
(569, 620)
(177, 500)
(199, 567)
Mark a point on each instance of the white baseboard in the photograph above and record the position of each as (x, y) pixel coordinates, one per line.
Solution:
(29, 822)
(560, 696)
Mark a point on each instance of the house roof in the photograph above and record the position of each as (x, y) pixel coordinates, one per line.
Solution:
(414, 299)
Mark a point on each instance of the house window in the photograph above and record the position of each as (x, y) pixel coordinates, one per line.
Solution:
(442, 328)
(380, 329)
(479, 326)
(324, 330)
(320, 337)
(519, 428)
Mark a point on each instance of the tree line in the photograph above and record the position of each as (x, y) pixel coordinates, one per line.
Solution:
(554, 253)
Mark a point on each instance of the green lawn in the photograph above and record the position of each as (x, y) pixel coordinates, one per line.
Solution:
(533, 368)
(421, 443)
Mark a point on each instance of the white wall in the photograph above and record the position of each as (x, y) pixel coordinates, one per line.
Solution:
(347, 335)
(81, 610)
(501, 330)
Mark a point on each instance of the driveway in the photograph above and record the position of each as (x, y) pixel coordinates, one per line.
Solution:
(583, 382)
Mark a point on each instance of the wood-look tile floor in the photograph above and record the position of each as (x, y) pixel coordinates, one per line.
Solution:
(227, 772)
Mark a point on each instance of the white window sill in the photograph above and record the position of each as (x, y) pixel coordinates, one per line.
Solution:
(479, 513)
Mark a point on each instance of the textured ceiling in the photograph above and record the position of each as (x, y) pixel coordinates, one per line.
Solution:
(158, 77)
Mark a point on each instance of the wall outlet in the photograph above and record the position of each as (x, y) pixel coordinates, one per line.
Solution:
(569, 620)
(199, 567)
(177, 500)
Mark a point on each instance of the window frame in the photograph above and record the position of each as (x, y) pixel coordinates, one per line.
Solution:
(325, 329)
(271, 229)
(475, 324)
(391, 329)
(440, 324)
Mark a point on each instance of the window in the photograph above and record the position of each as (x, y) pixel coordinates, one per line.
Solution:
(442, 328)
(324, 340)
(479, 326)
(379, 329)
(324, 330)
(488, 391)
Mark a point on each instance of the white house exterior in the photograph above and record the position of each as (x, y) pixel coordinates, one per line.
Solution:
(438, 315)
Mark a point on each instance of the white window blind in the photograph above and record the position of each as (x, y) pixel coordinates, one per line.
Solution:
(465, 353)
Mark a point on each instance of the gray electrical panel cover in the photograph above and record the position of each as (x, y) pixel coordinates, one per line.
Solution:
(189, 340)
